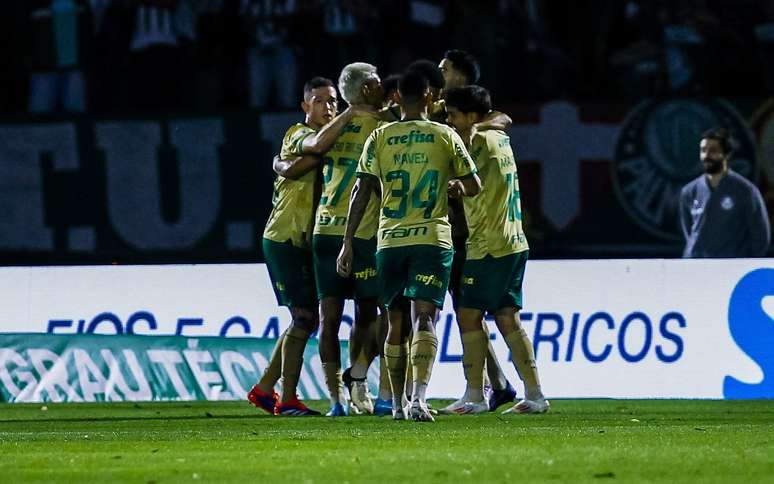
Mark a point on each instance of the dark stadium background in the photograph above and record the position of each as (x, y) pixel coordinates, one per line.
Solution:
(607, 61)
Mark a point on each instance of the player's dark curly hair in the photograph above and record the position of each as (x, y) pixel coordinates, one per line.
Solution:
(412, 85)
(316, 82)
(390, 83)
(430, 71)
(465, 63)
(469, 99)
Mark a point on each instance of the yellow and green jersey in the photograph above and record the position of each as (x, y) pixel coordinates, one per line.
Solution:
(291, 217)
(414, 161)
(494, 216)
(339, 167)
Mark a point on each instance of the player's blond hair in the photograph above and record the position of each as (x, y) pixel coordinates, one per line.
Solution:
(352, 79)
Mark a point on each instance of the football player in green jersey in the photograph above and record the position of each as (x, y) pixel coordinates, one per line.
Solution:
(409, 163)
(360, 86)
(497, 253)
(286, 243)
(459, 69)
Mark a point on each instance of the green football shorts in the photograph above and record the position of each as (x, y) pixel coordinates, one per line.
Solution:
(361, 284)
(290, 270)
(417, 272)
(493, 283)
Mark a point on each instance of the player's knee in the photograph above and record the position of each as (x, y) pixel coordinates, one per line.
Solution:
(507, 320)
(471, 320)
(365, 311)
(329, 322)
(424, 321)
(305, 319)
(328, 329)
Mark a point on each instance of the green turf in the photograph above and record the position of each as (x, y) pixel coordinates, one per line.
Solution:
(580, 440)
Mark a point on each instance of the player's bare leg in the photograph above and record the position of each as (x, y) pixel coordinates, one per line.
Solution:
(383, 404)
(424, 346)
(331, 309)
(305, 322)
(524, 360)
(360, 355)
(396, 357)
(262, 395)
(474, 344)
(502, 392)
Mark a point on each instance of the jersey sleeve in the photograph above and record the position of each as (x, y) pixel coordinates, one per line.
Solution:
(483, 151)
(369, 164)
(293, 143)
(462, 163)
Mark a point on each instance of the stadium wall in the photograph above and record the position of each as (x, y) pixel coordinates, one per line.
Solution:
(597, 180)
(600, 328)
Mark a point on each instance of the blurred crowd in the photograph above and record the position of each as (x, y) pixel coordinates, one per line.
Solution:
(106, 56)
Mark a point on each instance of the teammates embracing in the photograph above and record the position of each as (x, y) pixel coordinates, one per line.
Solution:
(361, 210)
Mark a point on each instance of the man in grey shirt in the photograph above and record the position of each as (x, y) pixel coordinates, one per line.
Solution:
(722, 214)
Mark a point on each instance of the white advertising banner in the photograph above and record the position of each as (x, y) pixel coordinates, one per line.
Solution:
(611, 328)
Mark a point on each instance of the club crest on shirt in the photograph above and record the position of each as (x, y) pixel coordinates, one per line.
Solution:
(727, 203)
(697, 209)
(657, 153)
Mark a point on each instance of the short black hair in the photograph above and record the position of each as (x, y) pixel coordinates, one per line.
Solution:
(469, 99)
(412, 85)
(465, 63)
(722, 136)
(316, 82)
(430, 71)
(390, 83)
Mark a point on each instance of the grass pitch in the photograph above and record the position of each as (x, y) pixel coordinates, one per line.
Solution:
(579, 441)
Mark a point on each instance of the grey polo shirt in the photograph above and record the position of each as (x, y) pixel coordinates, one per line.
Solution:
(727, 221)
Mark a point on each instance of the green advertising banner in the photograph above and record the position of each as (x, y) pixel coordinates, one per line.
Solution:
(96, 368)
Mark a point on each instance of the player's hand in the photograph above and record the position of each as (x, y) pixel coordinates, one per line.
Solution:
(437, 107)
(344, 261)
(455, 189)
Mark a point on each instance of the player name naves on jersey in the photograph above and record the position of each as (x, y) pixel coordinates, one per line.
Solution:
(410, 158)
(414, 136)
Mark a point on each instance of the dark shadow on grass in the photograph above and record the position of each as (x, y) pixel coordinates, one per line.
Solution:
(123, 419)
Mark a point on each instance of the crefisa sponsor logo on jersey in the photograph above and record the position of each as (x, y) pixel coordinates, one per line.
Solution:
(657, 153)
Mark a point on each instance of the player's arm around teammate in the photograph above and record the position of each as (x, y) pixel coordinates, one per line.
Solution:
(317, 144)
(295, 168)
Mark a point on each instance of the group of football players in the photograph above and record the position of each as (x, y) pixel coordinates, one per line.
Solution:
(410, 192)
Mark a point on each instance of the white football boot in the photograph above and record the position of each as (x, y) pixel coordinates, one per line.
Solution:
(420, 413)
(472, 408)
(361, 397)
(454, 407)
(541, 405)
